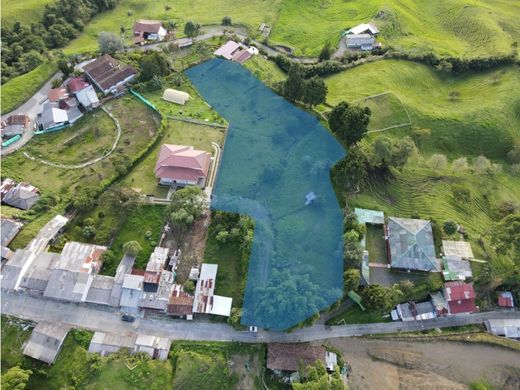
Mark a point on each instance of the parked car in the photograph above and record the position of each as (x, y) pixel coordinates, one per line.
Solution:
(127, 318)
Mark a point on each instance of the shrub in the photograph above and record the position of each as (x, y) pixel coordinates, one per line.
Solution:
(450, 227)
(438, 161)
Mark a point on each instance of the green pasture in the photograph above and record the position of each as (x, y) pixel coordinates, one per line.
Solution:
(387, 111)
(481, 120)
(26, 11)
(18, 90)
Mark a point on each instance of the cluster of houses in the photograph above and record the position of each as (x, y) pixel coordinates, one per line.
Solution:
(73, 276)
(236, 52)
(410, 247)
(362, 36)
(13, 127)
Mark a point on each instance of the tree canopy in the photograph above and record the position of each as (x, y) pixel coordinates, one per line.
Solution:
(349, 122)
(15, 378)
(187, 204)
(153, 64)
(191, 29)
(109, 42)
(132, 248)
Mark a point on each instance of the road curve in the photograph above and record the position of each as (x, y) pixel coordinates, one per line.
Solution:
(107, 319)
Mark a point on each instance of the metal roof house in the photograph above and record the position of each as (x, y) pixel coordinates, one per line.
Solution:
(410, 245)
(205, 300)
(154, 346)
(107, 74)
(227, 50)
(456, 269)
(14, 125)
(131, 293)
(52, 116)
(509, 328)
(8, 230)
(148, 30)
(288, 357)
(15, 268)
(46, 341)
(505, 299)
(364, 28)
(460, 297)
(23, 196)
(180, 303)
(36, 278)
(175, 96)
(460, 249)
(182, 165)
(107, 343)
(413, 311)
(360, 41)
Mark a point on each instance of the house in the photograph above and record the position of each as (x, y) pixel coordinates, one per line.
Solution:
(8, 231)
(154, 346)
(439, 303)
(107, 343)
(509, 328)
(6, 186)
(71, 106)
(455, 268)
(205, 301)
(124, 268)
(241, 56)
(175, 96)
(413, 311)
(35, 280)
(182, 165)
(46, 341)
(364, 28)
(505, 299)
(289, 357)
(154, 268)
(131, 293)
(84, 92)
(158, 298)
(47, 234)
(22, 196)
(227, 50)
(148, 30)
(360, 41)
(52, 116)
(100, 290)
(14, 125)
(180, 303)
(107, 74)
(410, 245)
(57, 94)
(15, 268)
(460, 297)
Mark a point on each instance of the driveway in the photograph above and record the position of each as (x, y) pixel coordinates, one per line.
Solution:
(32, 108)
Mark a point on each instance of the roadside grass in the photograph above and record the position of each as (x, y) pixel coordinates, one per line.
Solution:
(354, 315)
(265, 70)
(444, 27)
(142, 177)
(138, 125)
(92, 136)
(26, 11)
(250, 13)
(19, 89)
(13, 337)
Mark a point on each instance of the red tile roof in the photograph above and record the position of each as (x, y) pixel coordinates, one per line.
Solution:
(178, 162)
(77, 84)
(460, 297)
(56, 94)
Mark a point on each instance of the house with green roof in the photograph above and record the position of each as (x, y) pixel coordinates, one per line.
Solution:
(411, 246)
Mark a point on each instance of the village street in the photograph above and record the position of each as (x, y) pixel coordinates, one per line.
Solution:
(107, 319)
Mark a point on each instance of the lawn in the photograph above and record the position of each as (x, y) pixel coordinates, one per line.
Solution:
(92, 136)
(375, 244)
(18, 90)
(265, 70)
(250, 13)
(142, 177)
(445, 27)
(387, 111)
(354, 315)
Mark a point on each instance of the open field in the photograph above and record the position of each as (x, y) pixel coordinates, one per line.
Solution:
(250, 13)
(18, 90)
(26, 11)
(387, 111)
(142, 177)
(445, 27)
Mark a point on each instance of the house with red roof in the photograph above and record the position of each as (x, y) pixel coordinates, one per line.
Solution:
(180, 165)
(460, 297)
(505, 299)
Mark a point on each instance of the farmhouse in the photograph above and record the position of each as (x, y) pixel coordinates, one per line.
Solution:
(52, 116)
(410, 245)
(22, 196)
(288, 357)
(234, 51)
(46, 341)
(460, 297)
(107, 74)
(205, 300)
(175, 96)
(15, 125)
(180, 165)
(148, 30)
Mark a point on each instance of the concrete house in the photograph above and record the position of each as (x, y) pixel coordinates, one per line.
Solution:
(148, 30)
(14, 125)
(180, 165)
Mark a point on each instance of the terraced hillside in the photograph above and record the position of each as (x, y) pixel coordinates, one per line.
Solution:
(483, 120)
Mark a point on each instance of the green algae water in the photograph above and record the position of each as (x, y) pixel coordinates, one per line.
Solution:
(276, 168)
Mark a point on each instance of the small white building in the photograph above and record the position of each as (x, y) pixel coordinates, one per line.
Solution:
(509, 328)
(175, 96)
(156, 347)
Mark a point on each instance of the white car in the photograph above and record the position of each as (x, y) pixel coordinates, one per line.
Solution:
(253, 329)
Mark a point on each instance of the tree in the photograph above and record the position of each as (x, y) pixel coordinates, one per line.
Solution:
(506, 235)
(454, 95)
(89, 231)
(376, 297)
(481, 165)
(438, 161)
(132, 248)
(461, 194)
(109, 42)
(226, 21)
(191, 29)
(401, 151)
(351, 279)
(352, 251)
(110, 260)
(350, 123)
(450, 227)
(294, 86)
(352, 170)
(187, 204)
(406, 286)
(381, 155)
(86, 199)
(153, 64)
(386, 152)
(460, 164)
(189, 286)
(325, 52)
(15, 378)
(315, 91)
(65, 67)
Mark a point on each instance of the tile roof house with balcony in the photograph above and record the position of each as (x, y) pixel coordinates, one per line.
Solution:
(460, 297)
(182, 165)
(410, 245)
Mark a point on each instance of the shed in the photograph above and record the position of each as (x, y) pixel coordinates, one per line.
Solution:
(175, 96)
(46, 341)
(455, 268)
(505, 299)
(107, 343)
(509, 328)
(156, 347)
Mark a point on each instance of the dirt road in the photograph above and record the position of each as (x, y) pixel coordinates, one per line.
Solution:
(385, 364)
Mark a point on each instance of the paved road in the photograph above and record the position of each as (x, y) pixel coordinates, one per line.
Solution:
(99, 318)
(32, 108)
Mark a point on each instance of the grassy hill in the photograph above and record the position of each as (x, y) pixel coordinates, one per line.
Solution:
(25, 11)
(447, 27)
(484, 120)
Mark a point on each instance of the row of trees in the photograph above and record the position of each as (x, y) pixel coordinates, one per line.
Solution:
(25, 47)
(297, 88)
